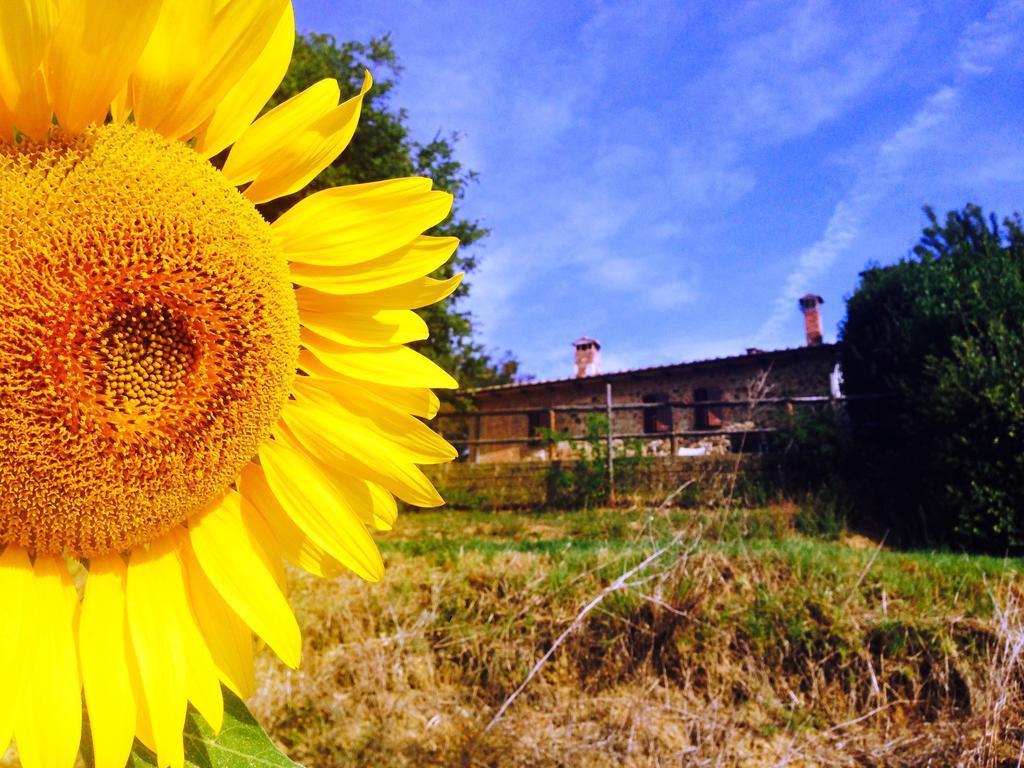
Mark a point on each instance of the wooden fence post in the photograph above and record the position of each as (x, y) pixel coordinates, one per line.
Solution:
(611, 451)
(552, 443)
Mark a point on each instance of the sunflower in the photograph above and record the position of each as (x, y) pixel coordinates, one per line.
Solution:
(189, 396)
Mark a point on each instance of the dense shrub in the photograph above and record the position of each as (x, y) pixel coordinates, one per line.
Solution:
(583, 480)
(943, 458)
(815, 471)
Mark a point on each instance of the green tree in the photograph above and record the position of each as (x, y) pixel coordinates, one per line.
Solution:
(383, 149)
(942, 332)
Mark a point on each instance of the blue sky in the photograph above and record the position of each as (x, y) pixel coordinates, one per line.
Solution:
(670, 177)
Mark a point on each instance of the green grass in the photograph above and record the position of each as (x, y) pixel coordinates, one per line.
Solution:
(777, 634)
(922, 582)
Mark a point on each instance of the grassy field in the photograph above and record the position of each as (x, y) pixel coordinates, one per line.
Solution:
(744, 643)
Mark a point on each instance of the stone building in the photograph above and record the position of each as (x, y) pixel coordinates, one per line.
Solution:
(691, 408)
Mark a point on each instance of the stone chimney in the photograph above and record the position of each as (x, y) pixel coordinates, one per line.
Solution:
(812, 318)
(588, 356)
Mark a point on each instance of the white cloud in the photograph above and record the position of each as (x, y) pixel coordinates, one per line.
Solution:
(980, 47)
(621, 142)
(710, 176)
(671, 293)
(644, 172)
(844, 225)
(806, 71)
(991, 38)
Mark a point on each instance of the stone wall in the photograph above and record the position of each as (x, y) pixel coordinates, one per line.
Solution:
(527, 484)
(789, 373)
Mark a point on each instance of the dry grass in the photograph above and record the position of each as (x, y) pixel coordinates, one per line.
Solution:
(746, 644)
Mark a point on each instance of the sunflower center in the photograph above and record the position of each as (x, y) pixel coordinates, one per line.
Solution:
(147, 354)
(148, 336)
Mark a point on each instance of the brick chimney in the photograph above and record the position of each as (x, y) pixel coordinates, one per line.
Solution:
(812, 318)
(588, 356)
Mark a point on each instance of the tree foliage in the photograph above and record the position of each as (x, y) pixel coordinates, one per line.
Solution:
(383, 149)
(942, 331)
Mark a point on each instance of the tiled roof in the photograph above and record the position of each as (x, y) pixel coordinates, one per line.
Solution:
(765, 355)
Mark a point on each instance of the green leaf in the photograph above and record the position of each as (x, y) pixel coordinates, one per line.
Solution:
(241, 743)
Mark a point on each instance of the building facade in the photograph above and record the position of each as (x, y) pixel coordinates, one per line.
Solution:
(685, 409)
(694, 408)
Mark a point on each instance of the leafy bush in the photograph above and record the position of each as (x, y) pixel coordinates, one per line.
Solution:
(583, 482)
(815, 445)
(943, 458)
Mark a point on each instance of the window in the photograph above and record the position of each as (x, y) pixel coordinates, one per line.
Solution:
(707, 416)
(658, 419)
(536, 421)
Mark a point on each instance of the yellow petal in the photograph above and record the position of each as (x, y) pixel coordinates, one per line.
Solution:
(359, 222)
(241, 571)
(25, 31)
(410, 262)
(155, 596)
(260, 140)
(15, 582)
(227, 636)
(48, 724)
(421, 292)
(240, 31)
(385, 508)
(357, 448)
(94, 49)
(302, 226)
(315, 506)
(202, 677)
(418, 293)
(295, 545)
(354, 404)
(374, 505)
(6, 124)
(361, 329)
(194, 677)
(243, 102)
(309, 151)
(170, 59)
(417, 401)
(143, 721)
(398, 366)
(103, 648)
(120, 106)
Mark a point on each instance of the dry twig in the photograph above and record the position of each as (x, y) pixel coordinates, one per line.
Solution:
(622, 582)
